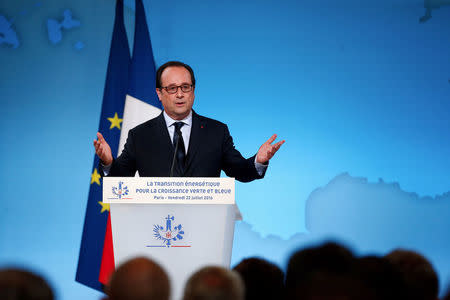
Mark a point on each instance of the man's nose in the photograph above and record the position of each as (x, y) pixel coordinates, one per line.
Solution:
(180, 93)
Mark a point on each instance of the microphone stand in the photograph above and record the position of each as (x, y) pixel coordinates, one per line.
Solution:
(173, 159)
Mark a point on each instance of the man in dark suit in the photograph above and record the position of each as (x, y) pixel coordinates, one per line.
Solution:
(180, 142)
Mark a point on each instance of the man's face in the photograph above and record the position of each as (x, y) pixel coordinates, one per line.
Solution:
(177, 105)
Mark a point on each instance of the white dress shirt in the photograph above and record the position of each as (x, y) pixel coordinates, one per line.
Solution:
(185, 129)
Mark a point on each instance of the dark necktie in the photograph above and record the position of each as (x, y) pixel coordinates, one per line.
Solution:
(181, 151)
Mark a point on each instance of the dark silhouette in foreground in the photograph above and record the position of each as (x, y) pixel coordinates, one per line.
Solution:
(262, 279)
(18, 284)
(139, 279)
(420, 278)
(214, 283)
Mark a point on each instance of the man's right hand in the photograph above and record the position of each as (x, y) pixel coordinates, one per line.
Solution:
(103, 150)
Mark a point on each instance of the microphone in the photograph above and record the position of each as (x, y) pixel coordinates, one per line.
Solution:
(173, 159)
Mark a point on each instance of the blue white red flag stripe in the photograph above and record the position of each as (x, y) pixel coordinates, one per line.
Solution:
(142, 103)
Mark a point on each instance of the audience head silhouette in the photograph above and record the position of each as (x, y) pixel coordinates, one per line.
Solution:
(419, 276)
(214, 283)
(324, 272)
(262, 279)
(18, 284)
(312, 263)
(380, 277)
(139, 279)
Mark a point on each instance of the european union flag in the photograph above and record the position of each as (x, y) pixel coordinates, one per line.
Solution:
(97, 213)
(129, 88)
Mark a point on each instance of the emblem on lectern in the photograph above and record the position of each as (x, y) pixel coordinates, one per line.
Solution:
(169, 233)
(120, 190)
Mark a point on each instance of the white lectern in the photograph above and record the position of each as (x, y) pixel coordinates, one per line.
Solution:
(182, 223)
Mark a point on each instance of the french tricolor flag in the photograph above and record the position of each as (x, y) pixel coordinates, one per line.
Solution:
(142, 103)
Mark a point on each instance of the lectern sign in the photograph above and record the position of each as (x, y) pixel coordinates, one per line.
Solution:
(167, 190)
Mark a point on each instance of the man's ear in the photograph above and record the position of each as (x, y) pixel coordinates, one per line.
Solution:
(158, 92)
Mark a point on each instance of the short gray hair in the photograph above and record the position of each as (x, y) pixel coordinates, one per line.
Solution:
(214, 283)
(138, 279)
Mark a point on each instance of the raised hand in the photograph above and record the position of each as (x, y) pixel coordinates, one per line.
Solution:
(103, 150)
(267, 150)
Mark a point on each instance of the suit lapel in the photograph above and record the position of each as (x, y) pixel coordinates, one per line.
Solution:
(197, 129)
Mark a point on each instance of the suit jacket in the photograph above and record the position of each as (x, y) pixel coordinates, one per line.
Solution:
(150, 151)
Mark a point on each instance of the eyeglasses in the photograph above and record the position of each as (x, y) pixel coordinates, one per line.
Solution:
(172, 89)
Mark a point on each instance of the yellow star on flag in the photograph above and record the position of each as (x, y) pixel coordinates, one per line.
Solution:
(95, 177)
(105, 206)
(115, 122)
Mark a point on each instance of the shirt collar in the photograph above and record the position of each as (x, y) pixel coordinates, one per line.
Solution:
(170, 121)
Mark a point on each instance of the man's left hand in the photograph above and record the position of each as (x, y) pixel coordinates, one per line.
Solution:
(267, 150)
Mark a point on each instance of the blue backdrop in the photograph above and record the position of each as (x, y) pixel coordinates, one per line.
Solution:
(360, 91)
